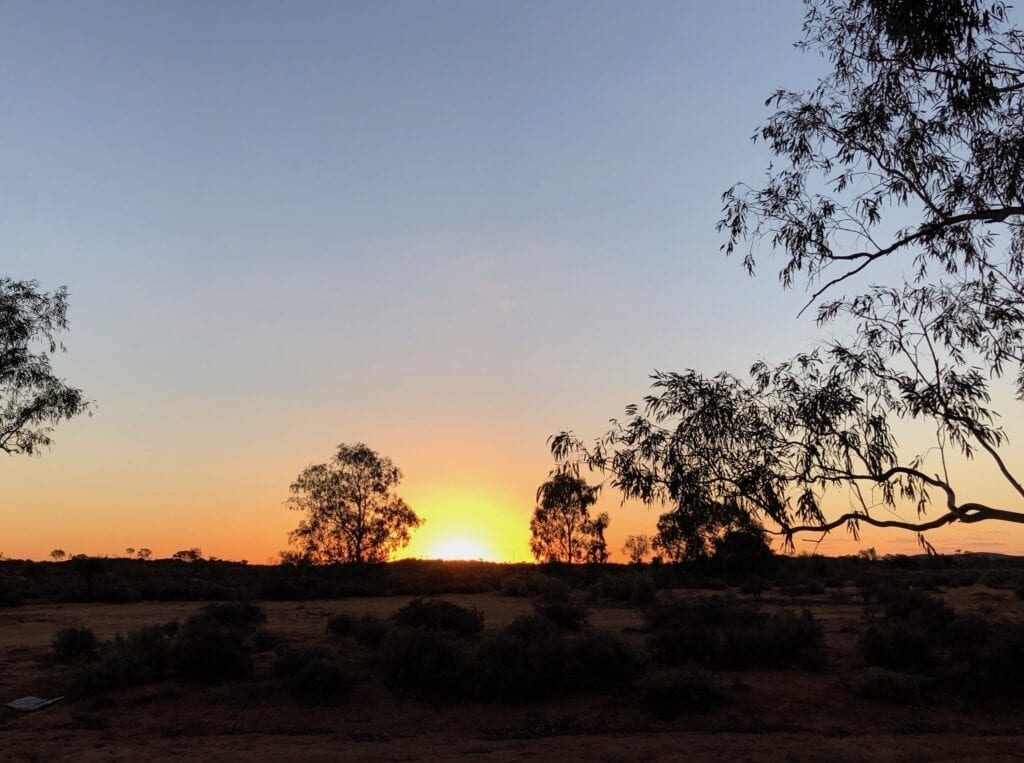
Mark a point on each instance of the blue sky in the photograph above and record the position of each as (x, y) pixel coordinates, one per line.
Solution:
(448, 229)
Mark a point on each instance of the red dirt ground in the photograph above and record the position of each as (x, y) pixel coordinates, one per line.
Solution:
(769, 715)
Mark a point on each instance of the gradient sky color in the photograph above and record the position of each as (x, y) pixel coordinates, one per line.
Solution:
(446, 229)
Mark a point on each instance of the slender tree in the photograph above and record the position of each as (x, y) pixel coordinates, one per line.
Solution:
(561, 529)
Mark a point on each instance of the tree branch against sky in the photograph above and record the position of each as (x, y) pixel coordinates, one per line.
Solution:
(32, 398)
(921, 119)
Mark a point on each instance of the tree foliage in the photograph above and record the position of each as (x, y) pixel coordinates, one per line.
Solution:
(910, 150)
(351, 511)
(562, 529)
(32, 399)
(636, 548)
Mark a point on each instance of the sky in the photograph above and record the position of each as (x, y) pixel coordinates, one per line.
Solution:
(445, 229)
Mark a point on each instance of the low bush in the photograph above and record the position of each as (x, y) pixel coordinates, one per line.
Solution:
(514, 586)
(598, 660)
(727, 633)
(897, 645)
(423, 661)
(440, 615)
(235, 614)
(565, 615)
(75, 643)
(314, 674)
(893, 686)
(669, 693)
(216, 644)
(523, 662)
(139, 657)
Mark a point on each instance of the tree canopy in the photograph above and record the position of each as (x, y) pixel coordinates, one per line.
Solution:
(561, 529)
(351, 511)
(910, 150)
(32, 399)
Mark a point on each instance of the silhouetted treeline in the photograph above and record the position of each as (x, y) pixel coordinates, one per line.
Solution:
(119, 580)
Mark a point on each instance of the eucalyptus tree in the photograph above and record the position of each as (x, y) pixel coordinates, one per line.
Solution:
(909, 151)
(352, 513)
(32, 398)
(561, 528)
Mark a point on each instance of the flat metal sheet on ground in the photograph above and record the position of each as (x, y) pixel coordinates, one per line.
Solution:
(28, 704)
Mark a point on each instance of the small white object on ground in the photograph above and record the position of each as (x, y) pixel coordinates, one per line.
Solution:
(28, 704)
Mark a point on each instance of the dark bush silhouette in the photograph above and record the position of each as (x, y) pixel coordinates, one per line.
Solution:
(565, 615)
(208, 650)
(423, 661)
(514, 586)
(315, 674)
(235, 614)
(598, 660)
(633, 587)
(139, 657)
(893, 686)
(525, 661)
(669, 693)
(726, 633)
(75, 643)
(440, 615)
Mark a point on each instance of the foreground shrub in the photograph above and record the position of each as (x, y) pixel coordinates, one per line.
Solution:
(140, 657)
(565, 615)
(726, 633)
(893, 686)
(210, 649)
(441, 615)
(314, 674)
(75, 643)
(421, 660)
(514, 586)
(669, 693)
(525, 661)
(897, 645)
(235, 614)
(633, 588)
(598, 660)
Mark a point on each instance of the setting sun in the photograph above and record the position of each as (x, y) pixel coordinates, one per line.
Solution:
(460, 548)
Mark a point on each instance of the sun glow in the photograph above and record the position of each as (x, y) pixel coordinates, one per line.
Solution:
(460, 548)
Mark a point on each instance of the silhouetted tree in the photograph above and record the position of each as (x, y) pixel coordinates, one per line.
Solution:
(597, 549)
(352, 513)
(58, 554)
(562, 529)
(188, 555)
(688, 533)
(636, 548)
(129, 552)
(919, 119)
(32, 399)
(143, 554)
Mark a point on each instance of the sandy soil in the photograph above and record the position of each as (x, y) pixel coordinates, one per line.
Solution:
(770, 715)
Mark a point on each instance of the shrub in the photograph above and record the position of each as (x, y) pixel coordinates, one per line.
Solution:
(726, 633)
(633, 587)
(209, 650)
(565, 615)
(892, 686)
(524, 662)
(441, 615)
(897, 645)
(597, 659)
(342, 625)
(552, 590)
(423, 660)
(370, 631)
(235, 614)
(998, 666)
(139, 657)
(76, 643)
(315, 674)
(669, 693)
(514, 586)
